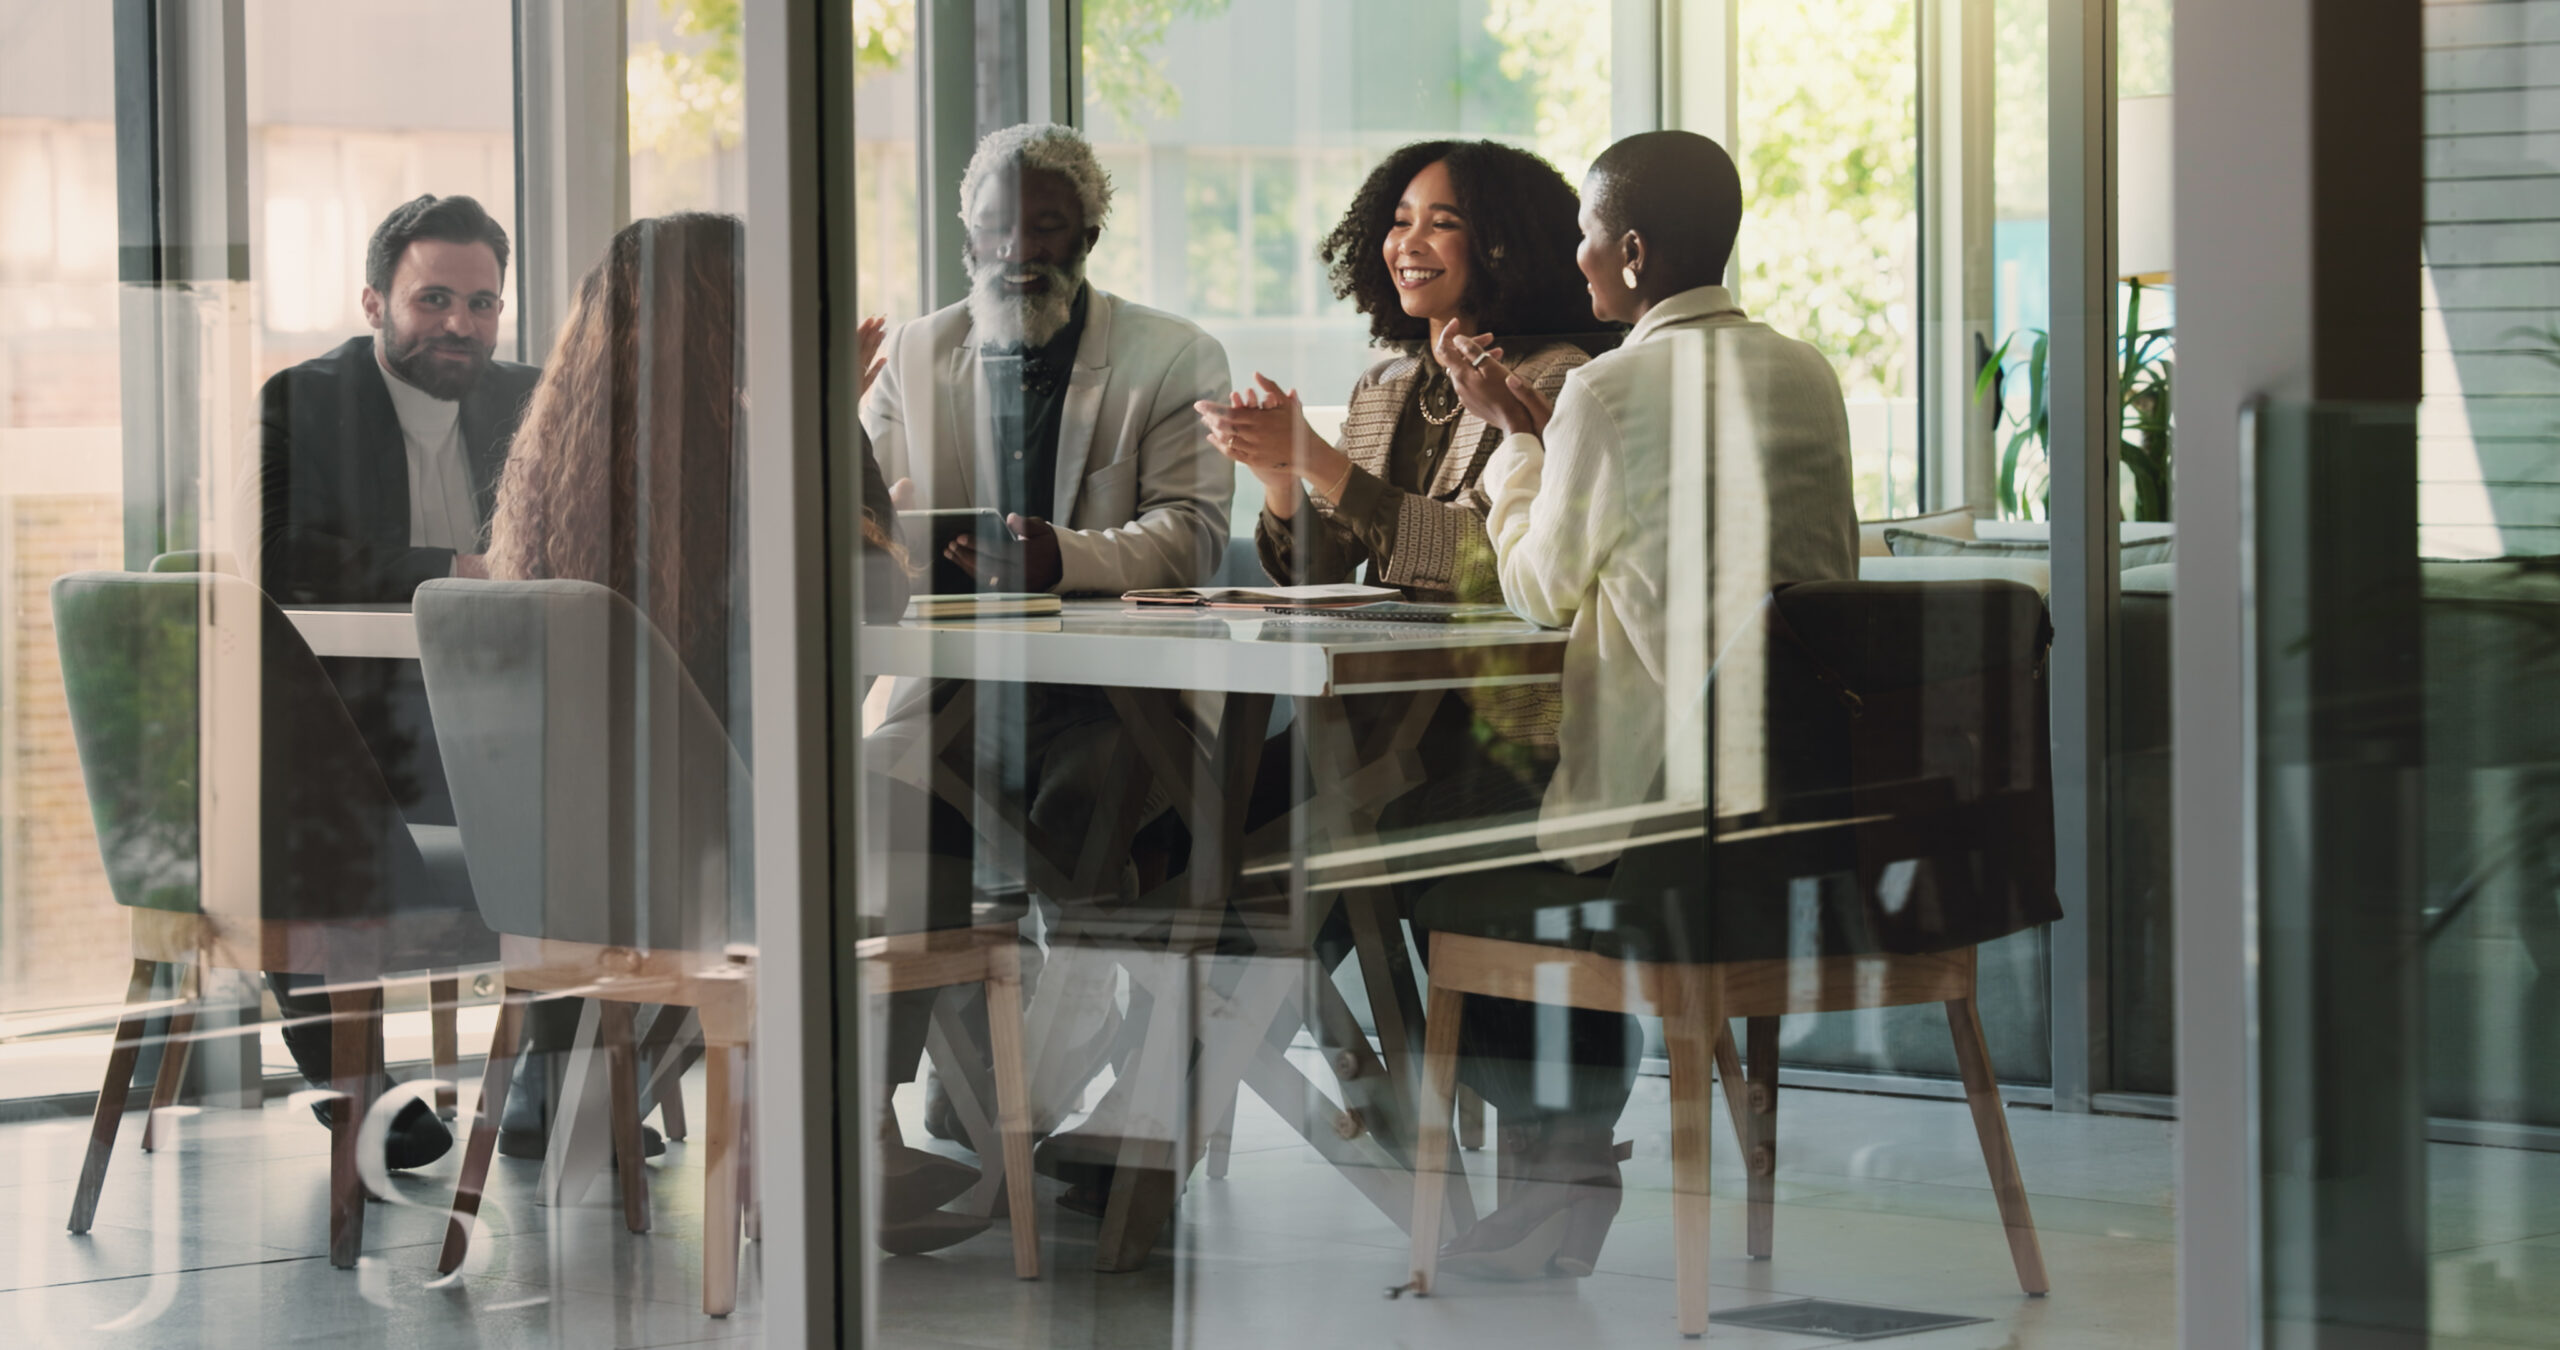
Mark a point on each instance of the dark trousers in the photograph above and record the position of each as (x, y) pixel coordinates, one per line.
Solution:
(307, 1024)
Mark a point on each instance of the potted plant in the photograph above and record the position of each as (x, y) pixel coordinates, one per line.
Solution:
(2147, 365)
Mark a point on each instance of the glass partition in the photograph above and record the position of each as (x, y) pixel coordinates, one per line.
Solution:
(1353, 832)
(378, 931)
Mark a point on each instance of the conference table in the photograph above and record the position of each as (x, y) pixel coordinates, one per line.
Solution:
(1195, 689)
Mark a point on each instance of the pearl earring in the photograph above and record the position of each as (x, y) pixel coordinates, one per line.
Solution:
(1628, 275)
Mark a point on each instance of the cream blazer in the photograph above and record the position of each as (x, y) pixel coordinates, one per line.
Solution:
(1141, 497)
(1683, 476)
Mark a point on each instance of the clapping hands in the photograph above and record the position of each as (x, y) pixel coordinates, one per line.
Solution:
(1488, 388)
(1266, 431)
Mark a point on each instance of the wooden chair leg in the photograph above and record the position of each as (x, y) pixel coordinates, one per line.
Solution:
(1433, 1159)
(175, 1044)
(1013, 1105)
(1761, 1154)
(444, 1041)
(483, 1145)
(1991, 1124)
(111, 1096)
(355, 1018)
(1222, 1139)
(1470, 1120)
(1689, 1039)
(721, 1216)
(654, 1049)
(622, 1067)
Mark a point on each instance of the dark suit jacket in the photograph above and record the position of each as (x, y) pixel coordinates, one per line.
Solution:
(334, 477)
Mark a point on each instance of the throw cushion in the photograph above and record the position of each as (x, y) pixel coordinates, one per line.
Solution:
(1905, 543)
(1956, 522)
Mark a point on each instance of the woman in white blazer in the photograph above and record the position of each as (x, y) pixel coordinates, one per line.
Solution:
(1598, 500)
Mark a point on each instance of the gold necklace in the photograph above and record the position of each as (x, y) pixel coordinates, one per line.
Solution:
(1422, 400)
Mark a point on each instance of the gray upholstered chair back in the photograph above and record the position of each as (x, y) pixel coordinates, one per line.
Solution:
(592, 782)
(192, 693)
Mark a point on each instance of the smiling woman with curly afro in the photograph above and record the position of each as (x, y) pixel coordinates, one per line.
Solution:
(1445, 236)
(1520, 217)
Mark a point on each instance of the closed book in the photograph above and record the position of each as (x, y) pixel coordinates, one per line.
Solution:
(987, 605)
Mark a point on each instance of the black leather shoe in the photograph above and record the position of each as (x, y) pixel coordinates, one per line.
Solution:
(913, 1182)
(415, 1139)
(930, 1231)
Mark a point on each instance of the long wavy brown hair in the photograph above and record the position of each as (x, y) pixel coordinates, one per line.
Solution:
(624, 471)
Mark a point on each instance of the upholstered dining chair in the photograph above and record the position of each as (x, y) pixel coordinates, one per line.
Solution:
(245, 826)
(1905, 818)
(605, 818)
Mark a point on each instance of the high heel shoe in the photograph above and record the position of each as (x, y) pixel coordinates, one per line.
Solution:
(1587, 1219)
(1594, 1205)
(1519, 1241)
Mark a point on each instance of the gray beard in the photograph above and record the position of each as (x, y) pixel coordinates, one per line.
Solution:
(1002, 320)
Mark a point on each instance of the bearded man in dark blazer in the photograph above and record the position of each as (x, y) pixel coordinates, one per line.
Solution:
(378, 468)
(379, 460)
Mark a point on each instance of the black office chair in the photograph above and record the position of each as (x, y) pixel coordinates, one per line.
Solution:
(1906, 786)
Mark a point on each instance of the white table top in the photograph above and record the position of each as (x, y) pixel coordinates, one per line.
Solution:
(1102, 642)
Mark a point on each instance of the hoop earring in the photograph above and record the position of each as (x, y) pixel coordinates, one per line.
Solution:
(1628, 275)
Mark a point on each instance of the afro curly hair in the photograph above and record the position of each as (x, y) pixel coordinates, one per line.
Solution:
(1521, 230)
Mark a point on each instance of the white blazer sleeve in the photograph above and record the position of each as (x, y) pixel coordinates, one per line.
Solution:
(1556, 512)
(884, 412)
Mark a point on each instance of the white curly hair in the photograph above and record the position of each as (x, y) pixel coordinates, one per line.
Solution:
(1040, 145)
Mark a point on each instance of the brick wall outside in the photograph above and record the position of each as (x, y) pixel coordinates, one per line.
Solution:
(66, 941)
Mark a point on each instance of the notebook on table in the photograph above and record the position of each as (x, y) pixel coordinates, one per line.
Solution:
(1262, 597)
(1398, 611)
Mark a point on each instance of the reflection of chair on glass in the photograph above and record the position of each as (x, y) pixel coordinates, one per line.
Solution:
(1908, 775)
(603, 814)
(246, 826)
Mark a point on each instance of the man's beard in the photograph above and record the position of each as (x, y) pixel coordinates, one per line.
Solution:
(1003, 319)
(413, 359)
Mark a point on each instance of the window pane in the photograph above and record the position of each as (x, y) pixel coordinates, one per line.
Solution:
(1829, 250)
(373, 686)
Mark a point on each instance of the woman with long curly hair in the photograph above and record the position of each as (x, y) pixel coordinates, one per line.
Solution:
(626, 473)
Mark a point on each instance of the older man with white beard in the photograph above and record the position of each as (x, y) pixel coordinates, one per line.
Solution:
(1051, 400)
(1068, 410)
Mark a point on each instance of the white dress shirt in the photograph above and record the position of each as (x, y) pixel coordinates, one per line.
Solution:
(443, 510)
(1683, 476)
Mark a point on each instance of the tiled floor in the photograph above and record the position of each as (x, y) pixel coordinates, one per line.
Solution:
(220, 1241)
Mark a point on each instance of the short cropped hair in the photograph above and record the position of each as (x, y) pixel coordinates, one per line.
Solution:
(1680, 191)
(1521, 277)
(451, 220)
(1039, 145)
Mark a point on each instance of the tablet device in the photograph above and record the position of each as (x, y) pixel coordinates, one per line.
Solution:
(929, 532)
